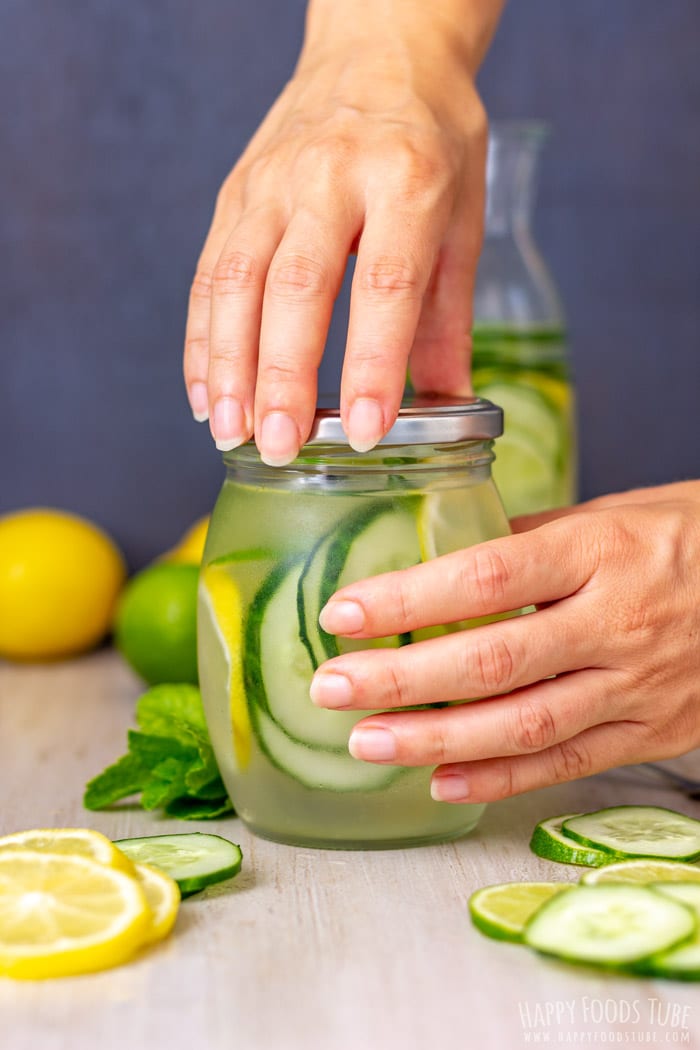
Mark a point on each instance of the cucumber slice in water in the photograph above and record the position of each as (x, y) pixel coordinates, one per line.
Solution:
(637, 831)
(319, 768)
(608, 925)
(194, 860)
(278, 667)
(549, 841)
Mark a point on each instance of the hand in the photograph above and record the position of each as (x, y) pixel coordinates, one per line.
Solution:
(618, 623)
(367, 147)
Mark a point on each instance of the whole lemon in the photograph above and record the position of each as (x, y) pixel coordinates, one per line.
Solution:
(191, 547)
(156, 623)
(60, 576)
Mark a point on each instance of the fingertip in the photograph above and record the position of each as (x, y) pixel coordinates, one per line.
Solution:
(199, 401)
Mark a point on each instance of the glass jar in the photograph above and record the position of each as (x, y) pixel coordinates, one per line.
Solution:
(282, 540)
(520, 357)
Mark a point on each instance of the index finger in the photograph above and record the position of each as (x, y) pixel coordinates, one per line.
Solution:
(494, 577)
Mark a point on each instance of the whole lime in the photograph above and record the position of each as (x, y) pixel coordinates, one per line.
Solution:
(156, 623)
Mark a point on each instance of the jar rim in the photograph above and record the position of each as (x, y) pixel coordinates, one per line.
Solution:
(423, 419)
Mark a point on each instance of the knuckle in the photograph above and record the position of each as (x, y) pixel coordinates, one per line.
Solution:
(440, 745)
(570, 761)
(391, 278)
(533, 729)
(201, 287)
(225, 356)
(492, 664)
(234, 273)
(398, 687)
(280, 372)
(504, 785)
(196, 347)
(487, 573)
(297, 278)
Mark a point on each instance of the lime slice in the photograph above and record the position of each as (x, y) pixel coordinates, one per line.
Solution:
(644, 872)
(221, 602)
(82, 842)
(62, 915)
(680, 963)
(502, 911)
(549, 841)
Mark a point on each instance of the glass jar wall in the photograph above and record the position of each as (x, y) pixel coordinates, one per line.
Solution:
(520, 357)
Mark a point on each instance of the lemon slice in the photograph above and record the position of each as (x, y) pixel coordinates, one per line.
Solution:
(62, 915)
(82, 842)
(502, 911)
(644, 871)
(163, 898)
(221, 601)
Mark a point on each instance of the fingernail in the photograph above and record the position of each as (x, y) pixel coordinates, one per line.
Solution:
(342, 617)
(199, 401)
(365, 424)
(372, 744)
(228, 424)
(331, 690)
(451, 788)
(279, 439)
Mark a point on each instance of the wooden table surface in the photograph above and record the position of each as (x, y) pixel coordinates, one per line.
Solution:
(312, 949)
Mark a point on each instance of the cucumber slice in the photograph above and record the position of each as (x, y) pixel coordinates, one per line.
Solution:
(278, 668)
(681, 963)
(638, 831)
(319, 644)
(502, 911)
(317, 768)
(608, 925)
(194, 860)
(549, 841)
(377, 539)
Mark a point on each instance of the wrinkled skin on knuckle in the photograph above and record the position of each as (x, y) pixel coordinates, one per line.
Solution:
(487, 574)
(570, 761)
(201, 287)
(391, 277)
(297, 278)
(533, 727)
(235, 273)
(490, 664)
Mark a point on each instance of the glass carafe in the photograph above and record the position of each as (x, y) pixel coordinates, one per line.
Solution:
(520, 358)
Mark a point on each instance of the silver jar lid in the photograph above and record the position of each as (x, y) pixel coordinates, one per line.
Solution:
(422, 420)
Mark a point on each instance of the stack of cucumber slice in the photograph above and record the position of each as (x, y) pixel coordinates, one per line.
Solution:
(637, 910)
(284, 644)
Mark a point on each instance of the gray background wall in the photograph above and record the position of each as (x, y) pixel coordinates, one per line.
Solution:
(118, 120)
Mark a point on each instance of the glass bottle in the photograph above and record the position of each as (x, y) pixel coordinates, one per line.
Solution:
(520, 358)
(281, 541)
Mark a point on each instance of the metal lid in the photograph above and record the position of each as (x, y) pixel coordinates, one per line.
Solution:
(423, 420)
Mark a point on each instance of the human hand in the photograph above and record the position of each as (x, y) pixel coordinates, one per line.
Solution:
(378, 143)
(618, 623)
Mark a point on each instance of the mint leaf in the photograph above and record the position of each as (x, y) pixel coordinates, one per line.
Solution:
(212, 789)
(170, 759)
(125, 777)
(154, 749)
(167, 782)
(166, 709)
(195, 809)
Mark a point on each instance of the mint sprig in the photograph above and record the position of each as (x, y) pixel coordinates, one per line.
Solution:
(170, 761)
